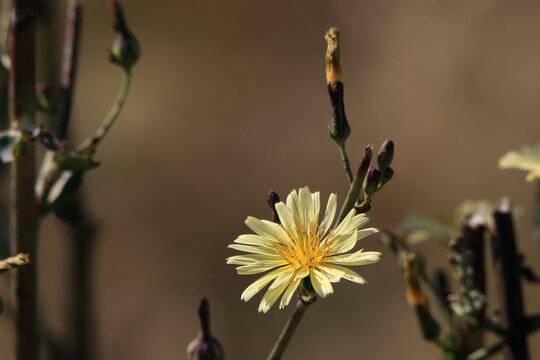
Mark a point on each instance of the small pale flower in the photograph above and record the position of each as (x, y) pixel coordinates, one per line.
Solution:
(528, 159)
(300, 247)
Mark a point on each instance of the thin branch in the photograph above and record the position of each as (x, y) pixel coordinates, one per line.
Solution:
(69, 67)
(14, 262)
(88, 147)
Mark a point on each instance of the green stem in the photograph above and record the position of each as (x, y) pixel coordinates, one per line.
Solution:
(288, 331)
(88, 147)
(24, 214)
(352, 197)
(485, 324)
(485, 352)
(356, 184)
(346, 163)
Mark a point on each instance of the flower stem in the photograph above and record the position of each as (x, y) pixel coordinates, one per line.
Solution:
(346, 163)
(88, 147)
(288, 331)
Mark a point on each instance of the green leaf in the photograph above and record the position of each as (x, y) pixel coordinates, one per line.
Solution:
(527, 158)
(64, 187)
(75, 163)
(423, 229)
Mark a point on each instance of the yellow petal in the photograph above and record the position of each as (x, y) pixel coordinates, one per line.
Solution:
(259, 267)
(253, 249)
(251, 258)
(268, 229)
(273, 294)
(287, 221)
(331, 273)
(320, 283)
(255, 287)
(252, 239)
(357, 258)
(287, 295)
(315, 209)
(342, 243)
(329, 214)
(347, 273)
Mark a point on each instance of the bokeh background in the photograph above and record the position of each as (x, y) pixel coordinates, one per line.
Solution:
(228, 101)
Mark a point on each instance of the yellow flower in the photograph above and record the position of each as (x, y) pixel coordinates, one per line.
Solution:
(527, 159)
(301, 247)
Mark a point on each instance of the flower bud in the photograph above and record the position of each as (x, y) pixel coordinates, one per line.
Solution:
(371, 181)
(386, 154)
(333, 66)
(338, 127)
(273, 198)
(386, 175)
(125, 49)
(204, 346)
(364, 163)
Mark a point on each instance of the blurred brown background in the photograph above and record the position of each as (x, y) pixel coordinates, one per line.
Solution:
(229, 101)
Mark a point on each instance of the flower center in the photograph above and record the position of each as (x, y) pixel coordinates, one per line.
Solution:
(305, 250)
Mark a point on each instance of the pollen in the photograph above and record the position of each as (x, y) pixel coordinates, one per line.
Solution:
(306, 252)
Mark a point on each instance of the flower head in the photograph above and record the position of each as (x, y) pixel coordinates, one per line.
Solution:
(300, 247)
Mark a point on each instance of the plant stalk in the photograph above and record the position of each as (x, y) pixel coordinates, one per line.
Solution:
(288, 331)
(506, 265)
(471, 338)
(83, 241)
(24, 214)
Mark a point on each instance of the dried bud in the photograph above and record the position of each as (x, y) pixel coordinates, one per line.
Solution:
(204, 347)
(338, 127)
(386, 154)
(333, 66)
(371, 181)
(125, 49)
(273, 198)
(415, 294)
